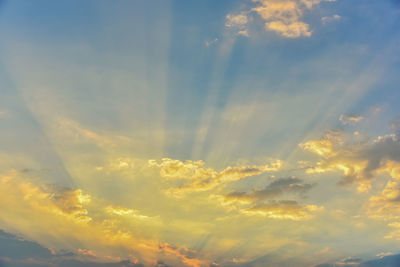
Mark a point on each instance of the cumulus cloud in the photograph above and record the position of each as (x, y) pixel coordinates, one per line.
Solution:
(285, 17)
(202, 178)
(237, 22)
(359, 162)
(326, 146)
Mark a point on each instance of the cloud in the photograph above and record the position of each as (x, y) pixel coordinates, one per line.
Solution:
(121, 211)
(56, 200)
(292, 30)
(26, 249)
(386, 206)
(395, 233)
(348, 119)
(395, 125)
(70, 129)
(330, 18)
(253, 203)
(383, 261)
(186, 255)
(359, 162)
(238, 23)
(71, 201)
(16, 251)
(284, 209)
(326, 146)
(349, 261)
(285, 17)
(62, 218)
(202, 178)
(277, 188)
(390, 194)
(210, 43)
(384, 254)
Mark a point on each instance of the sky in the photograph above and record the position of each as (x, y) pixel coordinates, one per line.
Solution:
(200, 133)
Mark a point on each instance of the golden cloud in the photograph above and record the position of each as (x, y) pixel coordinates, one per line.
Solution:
(386, 205)
(252, 203)
(395, 234)
(285, 209)
(281, 16)
(60, 201)
(202, 178)
(50, 214)
(359, 162)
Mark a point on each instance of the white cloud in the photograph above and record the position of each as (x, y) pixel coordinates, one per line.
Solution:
(330, 18)
(238, 22)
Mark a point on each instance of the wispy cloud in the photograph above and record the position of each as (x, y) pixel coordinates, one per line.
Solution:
(275, 189)
(350, 119)
(284, 209)
(211, 42)
(328, 19)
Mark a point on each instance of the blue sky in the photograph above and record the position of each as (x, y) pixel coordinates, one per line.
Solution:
(200, 133)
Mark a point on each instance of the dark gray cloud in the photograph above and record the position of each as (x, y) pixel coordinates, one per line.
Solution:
(15, 248)
(382, 149)
(357, 159)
